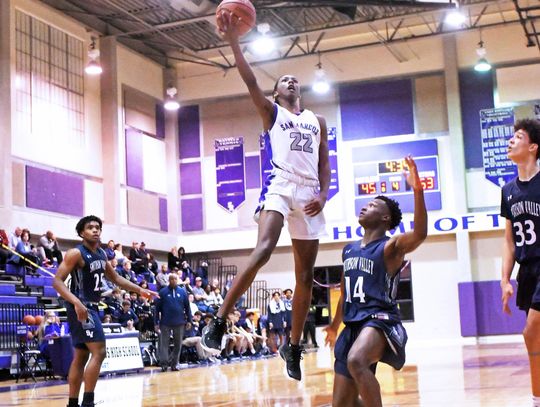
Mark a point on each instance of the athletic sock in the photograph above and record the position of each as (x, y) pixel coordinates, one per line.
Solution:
(88, 398)
(536, 401)
(73, 402)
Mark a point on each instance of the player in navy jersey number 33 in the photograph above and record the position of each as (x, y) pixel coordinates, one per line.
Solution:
(87, 264)
(520, 205)
(373, 331)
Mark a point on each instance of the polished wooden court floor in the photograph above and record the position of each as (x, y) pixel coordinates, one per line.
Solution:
(434, 376)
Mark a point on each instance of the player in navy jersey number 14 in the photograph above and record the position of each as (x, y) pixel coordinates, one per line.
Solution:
(373, 332)
(520, 205)
(87, 264)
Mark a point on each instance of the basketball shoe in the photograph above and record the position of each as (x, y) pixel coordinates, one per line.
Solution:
(212, 335)
(292, 355)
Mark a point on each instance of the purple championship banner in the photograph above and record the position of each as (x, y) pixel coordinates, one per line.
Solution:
(231, 191)
(496, 129)
(333, 157)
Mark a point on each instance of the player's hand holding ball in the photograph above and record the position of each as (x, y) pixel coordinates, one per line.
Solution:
(235, 18)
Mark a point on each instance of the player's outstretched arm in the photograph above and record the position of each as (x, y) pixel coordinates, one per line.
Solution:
(117, 279)
(229, 30)
(398, 246)
(507, 266)
(71, 261)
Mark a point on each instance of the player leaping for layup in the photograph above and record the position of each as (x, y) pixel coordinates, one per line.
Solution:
(296, 191)
(373, 330)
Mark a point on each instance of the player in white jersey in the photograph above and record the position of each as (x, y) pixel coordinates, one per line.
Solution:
(296, 191)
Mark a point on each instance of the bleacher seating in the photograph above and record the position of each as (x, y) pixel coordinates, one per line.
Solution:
(18, 299)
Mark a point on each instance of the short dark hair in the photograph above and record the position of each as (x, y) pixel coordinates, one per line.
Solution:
(126, 302)
(81, 224)
(287, 289)
(532, 127)
(395, 212)
(250, 313)
(276, 292)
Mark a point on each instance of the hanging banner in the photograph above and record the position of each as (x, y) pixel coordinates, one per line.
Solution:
(333, 157)
(266, 154)
(497, 127)
(231, 192)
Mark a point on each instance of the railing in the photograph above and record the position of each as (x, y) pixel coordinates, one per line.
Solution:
(11, 316)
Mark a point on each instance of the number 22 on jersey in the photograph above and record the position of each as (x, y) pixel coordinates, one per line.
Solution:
(358, 291)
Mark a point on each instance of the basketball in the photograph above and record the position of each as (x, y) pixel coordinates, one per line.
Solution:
(29, 320)
(240, 9)
(39, 319)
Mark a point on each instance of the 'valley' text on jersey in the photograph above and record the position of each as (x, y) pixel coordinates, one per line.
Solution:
(86, 282)
(292, 142)
(520, 203)
(369, 290)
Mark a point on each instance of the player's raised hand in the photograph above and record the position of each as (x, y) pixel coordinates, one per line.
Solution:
(149, 294)
(331, 335)
(314, 206)
(507, 292)
(228, 26)
(412, 177)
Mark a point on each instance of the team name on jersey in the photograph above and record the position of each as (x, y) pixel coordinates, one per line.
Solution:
(358, 263)
(525, 207)
(305, 126)
(97, 265)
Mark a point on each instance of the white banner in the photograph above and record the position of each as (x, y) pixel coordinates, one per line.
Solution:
(123, 353)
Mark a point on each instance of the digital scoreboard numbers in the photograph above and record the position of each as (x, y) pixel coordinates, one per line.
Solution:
(379, 170)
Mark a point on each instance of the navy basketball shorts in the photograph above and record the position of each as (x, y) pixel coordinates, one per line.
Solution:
(394, 354)
(528, 282)
(83, 332)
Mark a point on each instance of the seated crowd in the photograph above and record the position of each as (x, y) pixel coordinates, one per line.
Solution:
(246, 335)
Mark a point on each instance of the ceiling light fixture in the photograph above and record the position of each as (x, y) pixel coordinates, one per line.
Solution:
(264, 44)
(321, 84)
(93, 67)
(171, 103)
(482, 65)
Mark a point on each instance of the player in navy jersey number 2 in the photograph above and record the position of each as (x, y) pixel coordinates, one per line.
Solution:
(295, 191)
(367, 305)
(520, 205)
(87, 264)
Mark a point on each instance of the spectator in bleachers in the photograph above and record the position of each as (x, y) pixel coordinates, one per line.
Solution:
(145, 314)
(27, 252)
(119, 254)
(153, 266)
(187, 272)
(50, 328)
(182, 255)
(202, 272)
(4, 253)
(114, 302)
(127, 272)
(172, 313)
(200, 295)
(109, 250)
(192, 338)
(107, 319)
(126, 313)
(259, 342)
(262, 330)
(287, 301)
(173, 260)
(276, 320)
(137, 258)
(192, 305)
(15, 238)
(162, 278)
(49, 248)
(240, 303)
(214, 296)
(130, 326)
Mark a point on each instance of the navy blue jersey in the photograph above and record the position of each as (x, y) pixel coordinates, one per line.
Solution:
(369, 291)
(86, 282)
(288, 310)
(520, 203)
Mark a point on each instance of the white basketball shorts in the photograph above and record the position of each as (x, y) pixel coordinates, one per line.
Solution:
(288, 194)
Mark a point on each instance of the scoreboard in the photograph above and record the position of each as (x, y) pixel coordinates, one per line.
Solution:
(378, 170)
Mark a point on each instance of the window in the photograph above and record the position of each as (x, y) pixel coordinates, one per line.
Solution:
(49, 82)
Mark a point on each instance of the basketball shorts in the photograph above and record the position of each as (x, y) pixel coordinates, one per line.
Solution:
(528, 286)
(288, 194)
(83, 332)
(394, 354)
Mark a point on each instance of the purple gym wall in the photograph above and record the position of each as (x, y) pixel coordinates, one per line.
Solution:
(54, 191)
(134, 158)
(376, 109)
(253, 172)
(481, 313)
(190, 179)
(188, 132)
(192, 216)
(163, 220)
(476, 93)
